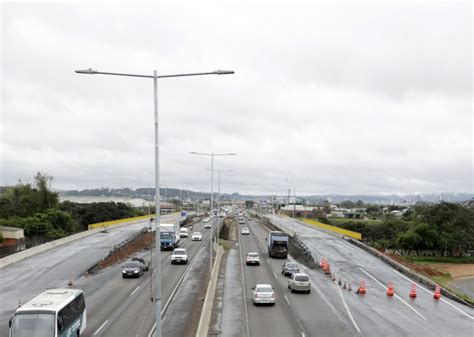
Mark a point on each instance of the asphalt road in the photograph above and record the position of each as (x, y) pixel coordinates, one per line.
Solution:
(114, 305)
(294, 314)
(376, 314)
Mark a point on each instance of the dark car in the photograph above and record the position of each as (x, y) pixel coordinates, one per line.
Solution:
(145, 264)
(132, 269)
(289, 268)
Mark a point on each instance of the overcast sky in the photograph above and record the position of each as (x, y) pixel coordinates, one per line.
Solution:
(355, 98)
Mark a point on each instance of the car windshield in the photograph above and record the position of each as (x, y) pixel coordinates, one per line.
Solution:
(166, 235)
(302, 278)
(253, 255)
(197, 234)
(291, 265)
(264, 289)
(33, 324)
(179, 252)
(132, 265)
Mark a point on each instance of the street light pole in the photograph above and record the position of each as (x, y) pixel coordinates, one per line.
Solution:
(212, 155)
(219, 196)
(155, 77)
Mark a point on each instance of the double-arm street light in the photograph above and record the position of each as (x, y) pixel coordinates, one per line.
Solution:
(155, 78)
(212, 155)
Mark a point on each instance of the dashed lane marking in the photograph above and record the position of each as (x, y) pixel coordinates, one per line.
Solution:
(442, 299)
(100, 328)
(398, 297)
(274, 274)
(135, 291)
(287, 300)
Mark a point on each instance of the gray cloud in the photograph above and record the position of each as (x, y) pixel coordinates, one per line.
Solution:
(359, 98)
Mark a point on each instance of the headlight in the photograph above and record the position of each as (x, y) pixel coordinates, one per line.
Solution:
(135, 271)
(124, 272)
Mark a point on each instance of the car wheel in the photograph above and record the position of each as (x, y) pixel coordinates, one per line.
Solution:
(258, 264)
(172, 262)
(289, 286)
(283, 273)
(273, 304)
(292, 291)
(309, 291)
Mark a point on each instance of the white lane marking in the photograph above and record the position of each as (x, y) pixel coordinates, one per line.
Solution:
(100, 328)
(348, 311)
(442, 299)
(287, 300)
(398, 297)
(152, 331)
(302, 334)
(133, 292)
(274, 274)
(154, 270)
(247, 326)
(268, 260)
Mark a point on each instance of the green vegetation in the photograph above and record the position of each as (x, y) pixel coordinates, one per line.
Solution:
(447, 228)
(225, 244)
(438, 259)
(38, 211)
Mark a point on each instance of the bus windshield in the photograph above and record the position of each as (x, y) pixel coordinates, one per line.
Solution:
(33, 325)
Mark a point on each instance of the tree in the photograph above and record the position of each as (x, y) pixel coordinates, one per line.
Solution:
(409, 240)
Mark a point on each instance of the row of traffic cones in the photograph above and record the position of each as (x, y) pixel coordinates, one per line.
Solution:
(326, 267)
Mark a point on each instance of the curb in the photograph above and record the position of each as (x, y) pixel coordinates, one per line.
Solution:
(205, 319)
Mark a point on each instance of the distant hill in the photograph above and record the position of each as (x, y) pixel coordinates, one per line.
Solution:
(148, 193)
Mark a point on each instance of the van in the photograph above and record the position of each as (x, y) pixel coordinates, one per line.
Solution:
(183, 232)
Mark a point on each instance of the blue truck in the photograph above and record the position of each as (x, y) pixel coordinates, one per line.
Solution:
(277, 243)
(169, 236)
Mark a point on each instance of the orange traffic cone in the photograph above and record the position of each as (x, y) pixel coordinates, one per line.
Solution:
(323, 263)
(327, 268)
(437, 292)
(413, 291)
(361, 289)
(390, 290)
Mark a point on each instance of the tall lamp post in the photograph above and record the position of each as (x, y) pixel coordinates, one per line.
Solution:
(219, 196)
(212, 155)
(155, 78)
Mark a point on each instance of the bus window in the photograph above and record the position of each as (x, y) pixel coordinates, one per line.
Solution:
(33, 324)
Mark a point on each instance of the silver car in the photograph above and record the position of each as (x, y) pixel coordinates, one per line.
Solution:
(299, 282)
(263, 294)
(289, 268)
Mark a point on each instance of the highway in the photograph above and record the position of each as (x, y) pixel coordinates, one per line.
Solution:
(115, 306)
(376, 314)
(294, 314)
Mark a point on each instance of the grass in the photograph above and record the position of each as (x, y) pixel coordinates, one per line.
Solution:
(225, 244)
(438, 259)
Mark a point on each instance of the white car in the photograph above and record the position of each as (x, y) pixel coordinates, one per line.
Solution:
(183, 232)
(179, 255)
(263, 294)
(245, 231)
(197, 236)
(205, 220)
(299, 282)
(252, 258)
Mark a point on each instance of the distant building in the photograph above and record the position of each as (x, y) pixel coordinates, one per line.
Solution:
(14, 240)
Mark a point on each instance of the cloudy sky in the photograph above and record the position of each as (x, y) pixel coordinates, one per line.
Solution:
(353, 98)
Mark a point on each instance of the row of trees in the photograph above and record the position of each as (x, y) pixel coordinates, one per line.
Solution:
(37, 210)
(445, 227)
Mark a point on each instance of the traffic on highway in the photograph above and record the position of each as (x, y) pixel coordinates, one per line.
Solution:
(263, 287)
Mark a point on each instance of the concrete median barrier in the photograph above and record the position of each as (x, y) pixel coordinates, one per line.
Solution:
(205, 319)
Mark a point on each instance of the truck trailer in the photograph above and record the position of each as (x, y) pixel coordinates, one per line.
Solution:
(277, 243)
(169, 236)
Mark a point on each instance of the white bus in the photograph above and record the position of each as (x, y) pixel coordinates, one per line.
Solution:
(53, 313)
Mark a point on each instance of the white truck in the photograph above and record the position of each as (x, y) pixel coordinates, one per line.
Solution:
(169, 236)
